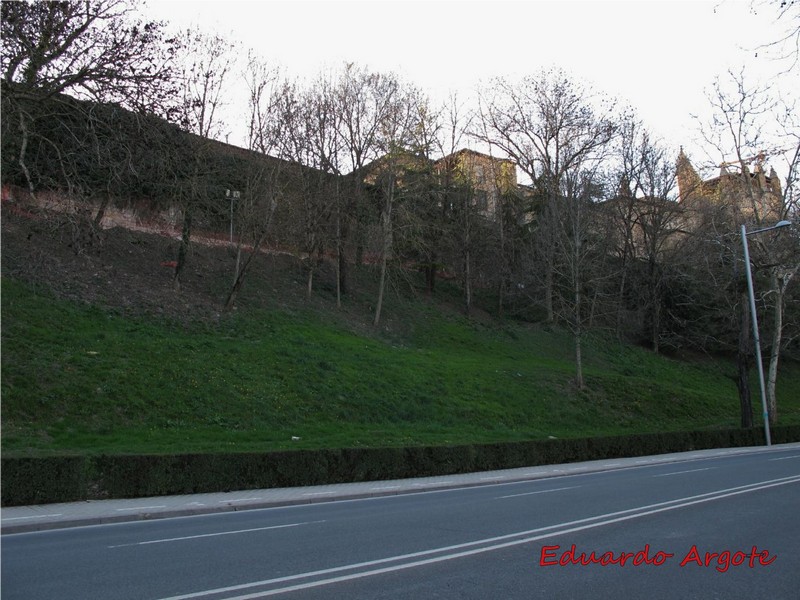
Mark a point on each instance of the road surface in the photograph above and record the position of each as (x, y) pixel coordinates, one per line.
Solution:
(722, 527)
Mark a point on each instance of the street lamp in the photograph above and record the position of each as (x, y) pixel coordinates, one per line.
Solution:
(756, 341)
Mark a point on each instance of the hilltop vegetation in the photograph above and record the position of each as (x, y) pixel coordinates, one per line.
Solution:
(574, 214)
(100, 355)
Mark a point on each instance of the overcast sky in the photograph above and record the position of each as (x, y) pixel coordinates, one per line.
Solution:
(658, 56)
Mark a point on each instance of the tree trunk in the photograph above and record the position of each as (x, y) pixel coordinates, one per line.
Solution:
(579, 358)
(183, 250)
(381, 287)
(385, 248)
(775, 351)
(576, 282)
(239, 281)
(501, 288)
(23, 148)
(310, 281)
(238, 261)
(101, 210)
(743, 366)
(338, 257)
(467, 258)
(430, 277)
(342, 261)
(467, 282)
(655, 304)
(549, 227)
(548, 290)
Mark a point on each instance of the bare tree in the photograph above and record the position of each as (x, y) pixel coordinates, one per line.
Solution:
(207, 61)
(786, 47)
(557, 131)
(362, 100)
(646, 217)
(68, 63)
(267, 175)
(405, 138)
(455, 202)
(94, 50)
(310, 137)
(751, 124)
(549, 125)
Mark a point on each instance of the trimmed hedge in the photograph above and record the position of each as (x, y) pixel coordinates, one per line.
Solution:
(70, 478)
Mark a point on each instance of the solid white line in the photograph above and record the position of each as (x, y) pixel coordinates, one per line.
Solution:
(552, 530)
(33, 517)
(204, 535)
(539, 492)
(682, 472)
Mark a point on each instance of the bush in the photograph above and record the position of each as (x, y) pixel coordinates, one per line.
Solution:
(44, 480)
(69, 478)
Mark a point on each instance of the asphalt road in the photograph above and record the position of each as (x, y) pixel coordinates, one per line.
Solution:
(514, 540)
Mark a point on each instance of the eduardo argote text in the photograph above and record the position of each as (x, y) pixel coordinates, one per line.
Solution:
(552, 556)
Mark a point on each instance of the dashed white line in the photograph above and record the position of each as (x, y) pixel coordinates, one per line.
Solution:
(33, 517)
(538, 492)
(786, 457)
(203, 535)
(681, 472)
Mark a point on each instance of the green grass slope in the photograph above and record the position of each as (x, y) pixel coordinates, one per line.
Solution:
(81, 379)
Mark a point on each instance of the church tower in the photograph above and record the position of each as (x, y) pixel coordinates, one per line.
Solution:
(689, 181)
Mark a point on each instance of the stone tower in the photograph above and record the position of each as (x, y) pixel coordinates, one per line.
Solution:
(751, 196)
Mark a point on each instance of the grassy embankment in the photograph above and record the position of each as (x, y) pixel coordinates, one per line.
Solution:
(78, 379)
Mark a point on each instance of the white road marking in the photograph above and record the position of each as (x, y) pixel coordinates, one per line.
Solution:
(681, 472)
(552, 530)
(204, 535)
(239, 500)
(538, 492)
(32, 517)
(786, 457)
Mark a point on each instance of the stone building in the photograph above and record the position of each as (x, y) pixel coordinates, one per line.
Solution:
(746, 196)
(489, 177)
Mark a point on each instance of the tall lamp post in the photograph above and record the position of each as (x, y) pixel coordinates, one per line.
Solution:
(233, 196)
(756, 341)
